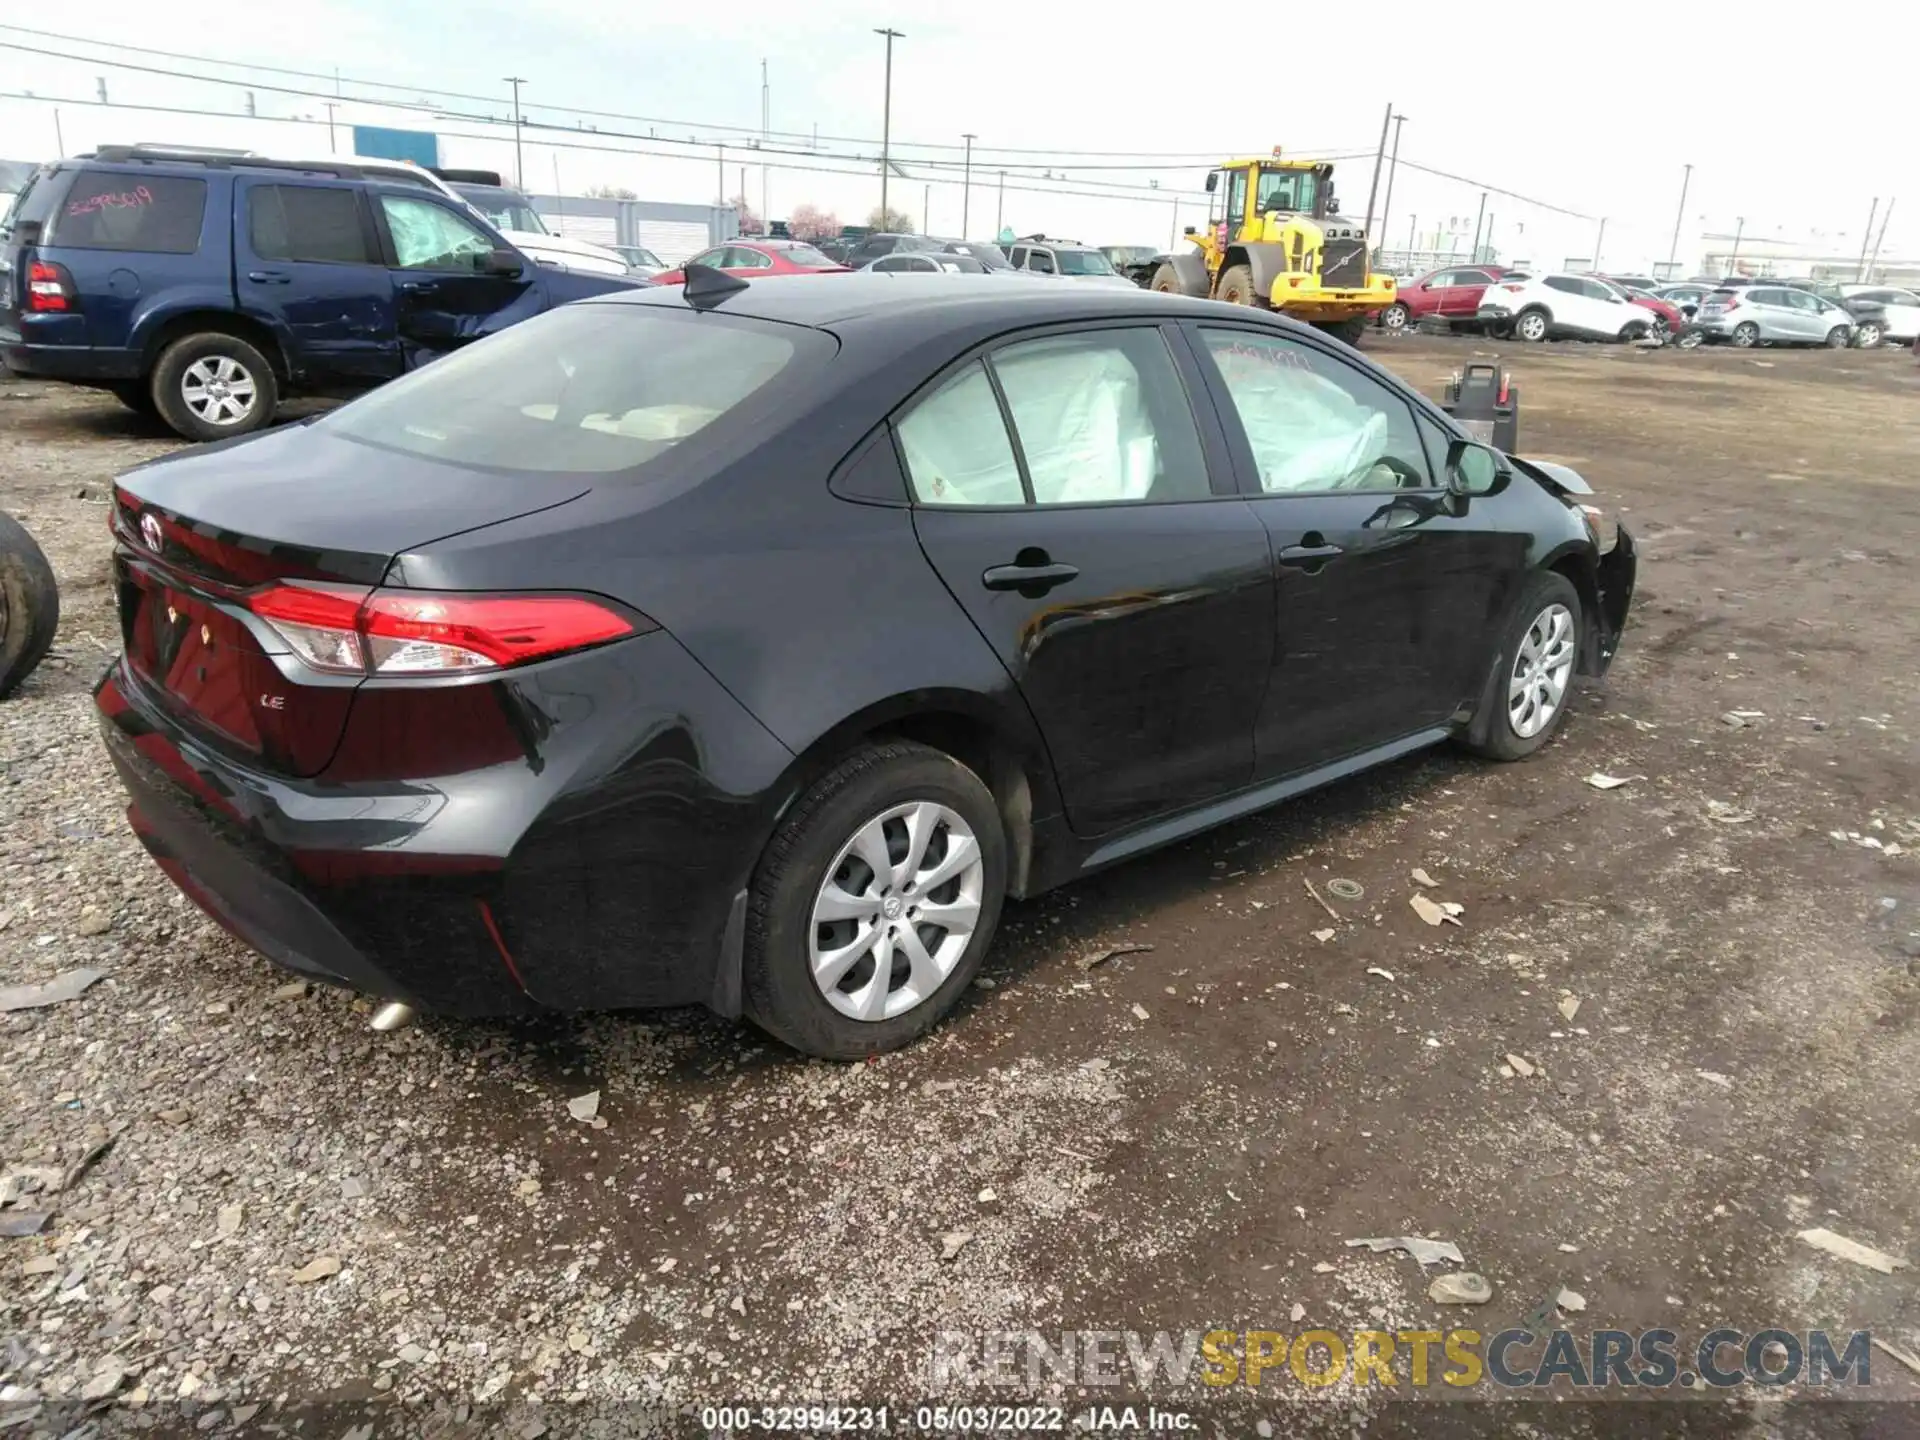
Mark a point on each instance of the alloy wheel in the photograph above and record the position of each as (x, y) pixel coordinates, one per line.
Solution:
(1542, 666)
(1394, 317)
(219, 390)
(1747, 335)
(896, 911)
(1531, 327)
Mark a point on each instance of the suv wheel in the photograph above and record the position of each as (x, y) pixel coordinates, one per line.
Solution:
(874, 903)
(211, 385)
(1532, 326)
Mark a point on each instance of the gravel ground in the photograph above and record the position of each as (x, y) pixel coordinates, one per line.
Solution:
(295, 1211)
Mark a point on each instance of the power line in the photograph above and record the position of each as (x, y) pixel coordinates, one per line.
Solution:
(1164, 196)
(1176, 158)
(1495, 189)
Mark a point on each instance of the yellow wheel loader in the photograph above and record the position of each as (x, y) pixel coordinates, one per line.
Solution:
(1275, 239)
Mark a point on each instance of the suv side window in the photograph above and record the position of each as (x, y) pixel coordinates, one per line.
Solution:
(1563, 282)
(1314, 423)
(1041, 260)
(158, 214)
(310, 223)
(427, 236)
(1017, 257)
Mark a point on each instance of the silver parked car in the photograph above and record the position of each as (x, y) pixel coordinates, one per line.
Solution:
(1773, 315)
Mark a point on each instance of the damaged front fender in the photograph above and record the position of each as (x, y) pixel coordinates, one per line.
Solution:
(1614, 577)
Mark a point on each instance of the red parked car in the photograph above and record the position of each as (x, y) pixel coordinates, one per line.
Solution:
(1668, 320)
(1453, 294)
(756, 258)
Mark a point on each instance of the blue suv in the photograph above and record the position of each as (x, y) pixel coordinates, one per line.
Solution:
(205, 288)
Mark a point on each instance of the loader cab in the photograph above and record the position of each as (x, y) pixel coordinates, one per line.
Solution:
(1270, 186)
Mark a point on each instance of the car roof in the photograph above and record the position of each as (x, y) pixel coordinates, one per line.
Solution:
(860, 297)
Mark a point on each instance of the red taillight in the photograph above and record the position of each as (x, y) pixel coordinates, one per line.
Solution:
(1516, 289)
(49, 287)
(346, 630)
(1505, 380)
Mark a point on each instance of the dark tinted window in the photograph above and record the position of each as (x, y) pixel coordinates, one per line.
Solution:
(307, 222)
(805, 255)
(34, 202)
(160, 214)
(1564, 282)
(583, 388)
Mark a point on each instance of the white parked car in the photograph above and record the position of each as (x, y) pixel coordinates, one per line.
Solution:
(1584, 307)
(1903, 308)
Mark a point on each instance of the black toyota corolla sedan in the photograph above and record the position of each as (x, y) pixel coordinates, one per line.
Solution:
(749, 643)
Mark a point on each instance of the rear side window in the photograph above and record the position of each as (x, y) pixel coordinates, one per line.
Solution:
(35, 202)
(158, 214)
(307, 223)
(585, 388)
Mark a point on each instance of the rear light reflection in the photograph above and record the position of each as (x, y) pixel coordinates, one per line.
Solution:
(347, 630)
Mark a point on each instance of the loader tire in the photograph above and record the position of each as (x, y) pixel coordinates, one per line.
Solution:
(1236, 287)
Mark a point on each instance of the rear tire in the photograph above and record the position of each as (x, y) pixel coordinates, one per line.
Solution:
(1746, 335)
(29, 604)
(1236, 286)
(815, 861)
(1349, 330)
(1532, 326)
(1167, 281)
(1538, 656)
(1868, 334)
(1395, 317)
(212, 386)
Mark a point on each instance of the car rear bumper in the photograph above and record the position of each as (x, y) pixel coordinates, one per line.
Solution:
(600, 868)
(82, 364)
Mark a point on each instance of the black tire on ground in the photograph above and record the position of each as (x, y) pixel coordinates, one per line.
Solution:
(1492, 733)
(1746, 335)
(1236, 286)
(1839, 337)
(29, 604)
(780, 992)
(1868, 334)
(1167, 280)
(1532, 325)
(1394, 317)
(1349, 330)
(136, 395)
(171, 372)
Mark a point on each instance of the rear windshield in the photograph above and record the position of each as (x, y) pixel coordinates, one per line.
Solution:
(594, 387)
(158, 214)
(1082, 262)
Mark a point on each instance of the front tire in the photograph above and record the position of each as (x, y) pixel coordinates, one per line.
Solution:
(29, 604)
(212, 385)
(1236, 286)
(1532, 326)
(1531, 678)
(1395, 317)
(874, 903)
(1166, 280)
(1839, 337)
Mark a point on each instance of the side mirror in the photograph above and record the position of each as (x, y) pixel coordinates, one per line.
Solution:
(1473, 469)
(501, 262)
(1187, 230)
(1213, 181)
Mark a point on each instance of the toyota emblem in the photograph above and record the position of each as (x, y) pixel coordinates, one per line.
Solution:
(151, 532)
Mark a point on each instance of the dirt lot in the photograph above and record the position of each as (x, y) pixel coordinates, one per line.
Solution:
(1178, 1139)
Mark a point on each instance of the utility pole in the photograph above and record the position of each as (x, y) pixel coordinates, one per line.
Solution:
(743, 194)
(886, 123)
(60, 144)
(1598, 240)
(926, 212)
(1379, 156)
(999, 213)
(720, 175)
(516, 81)
(1866, 239)
(1173, 237)
(966, 185)
(1473, 255)
(1679, 216)
(1386, 206)
(1739, 229)
(333, 146)
(1875, 260)
(766, 138)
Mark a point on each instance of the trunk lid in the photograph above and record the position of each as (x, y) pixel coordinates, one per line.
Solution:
(197, 532)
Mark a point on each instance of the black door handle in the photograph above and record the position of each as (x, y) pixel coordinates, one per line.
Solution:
(1310, 557)
(268, 277)
(1030, 578)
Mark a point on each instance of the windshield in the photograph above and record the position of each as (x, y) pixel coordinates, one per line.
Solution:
(1292, 190)
(584, 388)
(1129, 254)
(503, 209)
(640, 255)
(989, 256)
(1082, 262)
(807, 258)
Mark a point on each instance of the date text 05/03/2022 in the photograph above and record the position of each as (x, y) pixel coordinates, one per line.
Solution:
(741, 1419)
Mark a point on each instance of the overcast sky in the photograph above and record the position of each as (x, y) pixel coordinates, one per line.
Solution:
(1594, 118)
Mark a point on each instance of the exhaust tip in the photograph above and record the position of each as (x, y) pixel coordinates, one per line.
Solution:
(392, 1016)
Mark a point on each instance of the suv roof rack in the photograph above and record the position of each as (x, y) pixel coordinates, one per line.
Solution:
(222, 160)
(469, 177)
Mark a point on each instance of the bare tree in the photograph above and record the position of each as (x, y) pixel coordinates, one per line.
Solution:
(749, 219)
(809, 222)
(610, 192)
